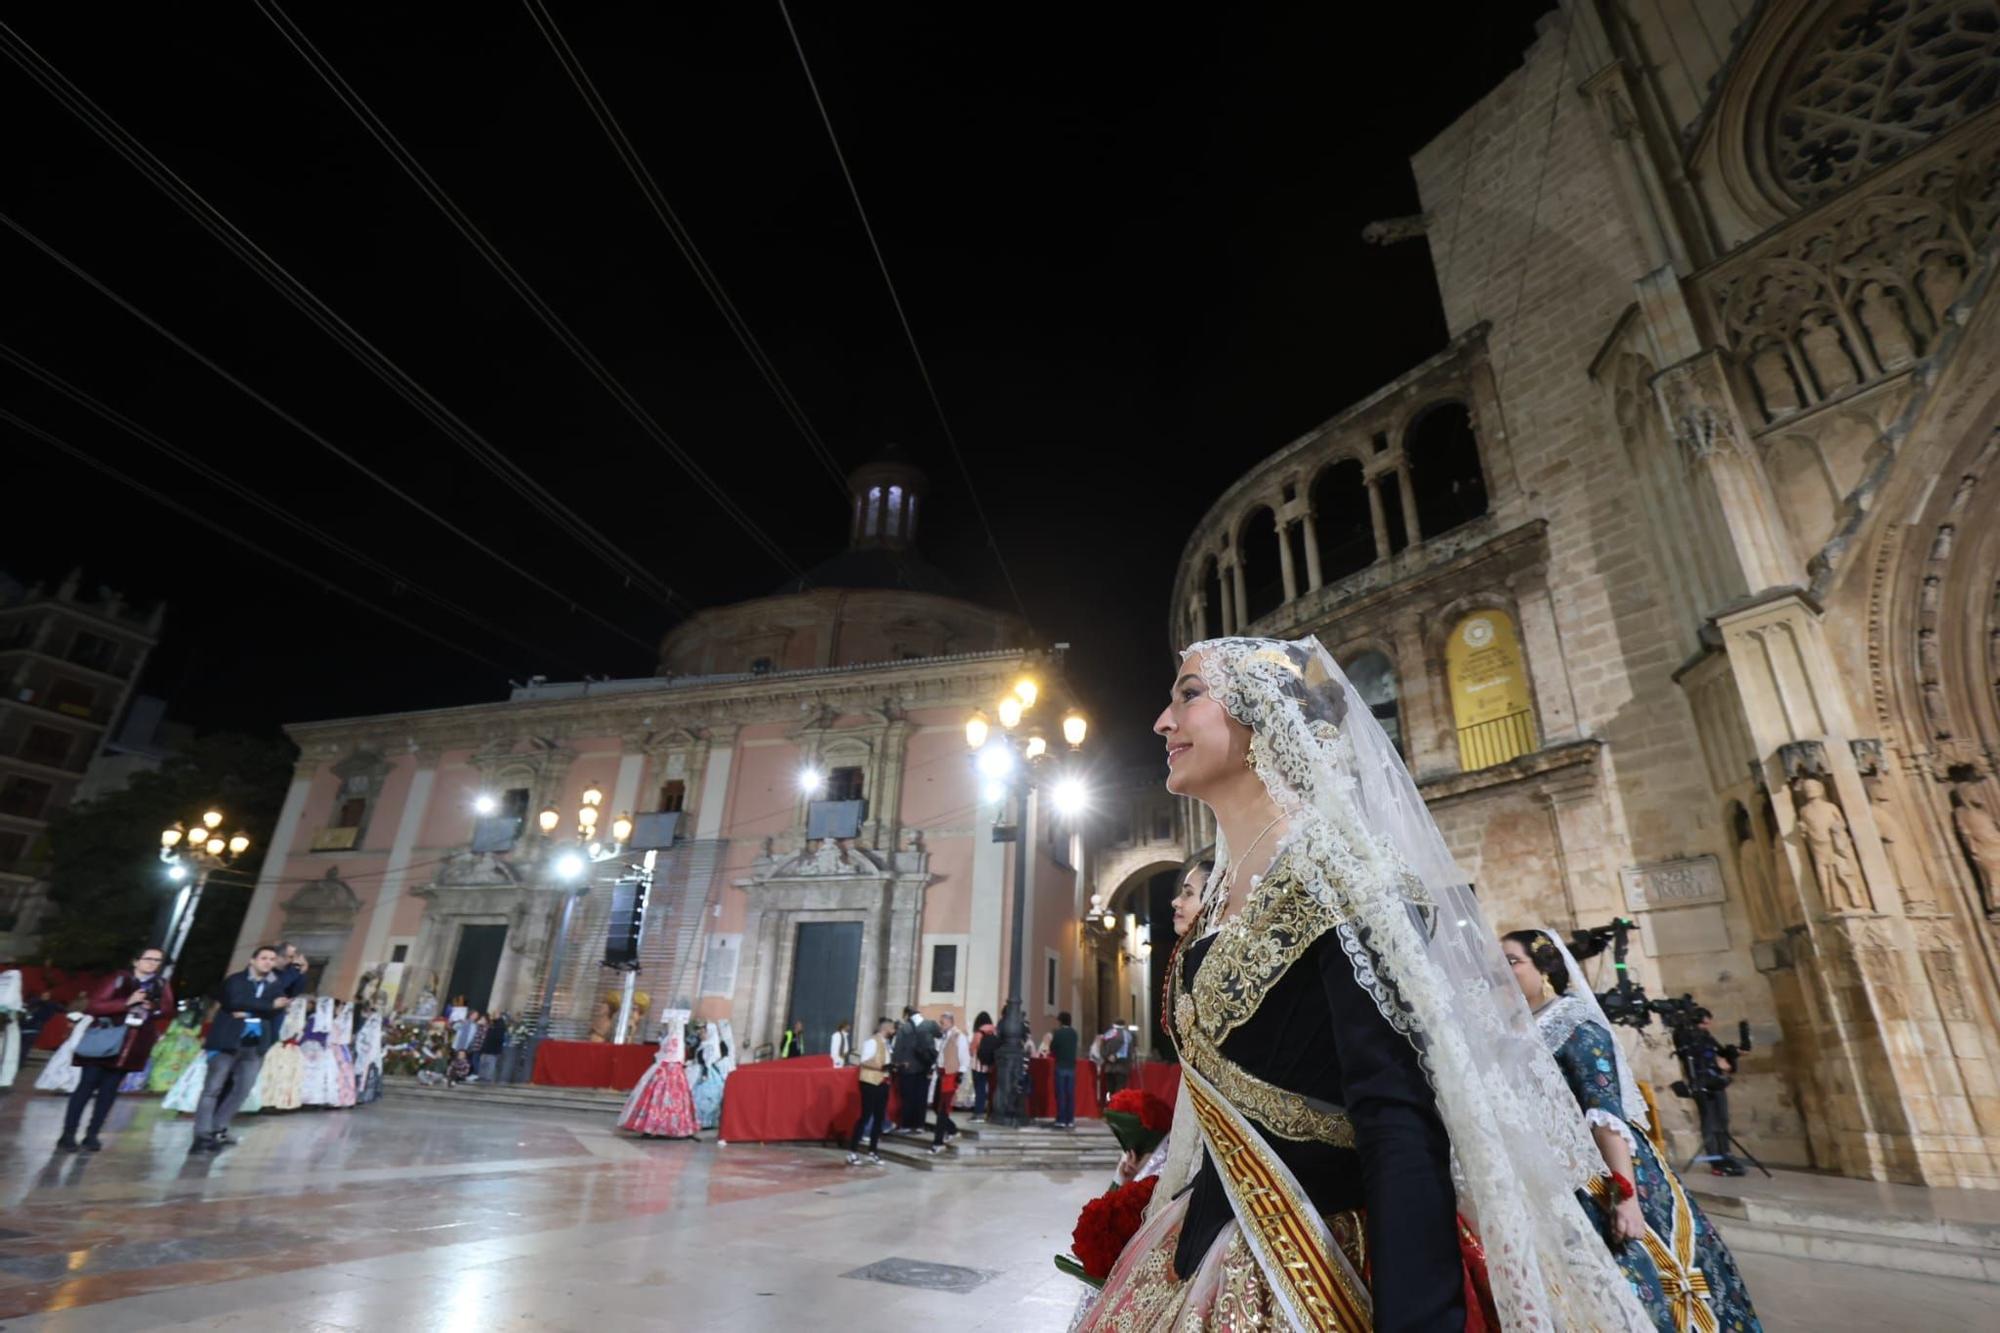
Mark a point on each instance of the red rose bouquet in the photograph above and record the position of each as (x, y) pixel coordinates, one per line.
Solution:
(1103, 1228)
(1139, 1119)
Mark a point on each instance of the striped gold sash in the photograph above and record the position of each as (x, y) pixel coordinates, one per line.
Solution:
(1308, 1274)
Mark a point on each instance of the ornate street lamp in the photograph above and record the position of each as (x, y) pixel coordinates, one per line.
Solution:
(572, 865)
(1015, 760)
(194, 849)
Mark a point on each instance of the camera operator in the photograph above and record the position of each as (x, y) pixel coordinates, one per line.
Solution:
(1710, 1066)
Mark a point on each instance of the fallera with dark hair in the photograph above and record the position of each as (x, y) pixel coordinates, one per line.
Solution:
(1542, 952)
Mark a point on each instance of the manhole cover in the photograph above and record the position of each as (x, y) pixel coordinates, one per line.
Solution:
(917, 1273)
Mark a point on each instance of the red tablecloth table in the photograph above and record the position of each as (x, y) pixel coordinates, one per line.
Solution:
(1042, 1088)
(805, 1098)
(591, 1064)
(1159, 1077)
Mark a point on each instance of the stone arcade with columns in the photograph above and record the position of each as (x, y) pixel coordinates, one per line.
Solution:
(863, 672)
(1677, 572)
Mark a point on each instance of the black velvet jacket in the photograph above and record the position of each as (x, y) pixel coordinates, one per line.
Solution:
(1317, 1032)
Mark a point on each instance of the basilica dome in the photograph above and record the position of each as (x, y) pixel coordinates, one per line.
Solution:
(877, 601)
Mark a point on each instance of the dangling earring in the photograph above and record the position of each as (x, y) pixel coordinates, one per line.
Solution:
(1250, 760)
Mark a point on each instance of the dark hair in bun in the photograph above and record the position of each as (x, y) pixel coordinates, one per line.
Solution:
(1548, 959)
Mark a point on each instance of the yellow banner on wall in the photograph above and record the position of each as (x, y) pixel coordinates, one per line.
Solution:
(1489, 690)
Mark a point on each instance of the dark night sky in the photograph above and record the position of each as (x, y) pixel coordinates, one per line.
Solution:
(1132, 256)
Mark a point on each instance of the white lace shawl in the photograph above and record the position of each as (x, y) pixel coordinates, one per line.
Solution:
(1367, 847)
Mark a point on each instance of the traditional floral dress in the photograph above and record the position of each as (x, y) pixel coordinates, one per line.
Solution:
(179, 1048)
(342, 1046)
(368, 1056)
(60, 1074)
(661, 1104)
(281, 1081)
(320, 1078)
(1683, 1261)
(708, 1082)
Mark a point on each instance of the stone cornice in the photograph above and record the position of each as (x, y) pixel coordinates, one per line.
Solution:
(944, 682)
(1535, 764)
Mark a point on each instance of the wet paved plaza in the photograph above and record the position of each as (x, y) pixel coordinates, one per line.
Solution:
(416, 1215)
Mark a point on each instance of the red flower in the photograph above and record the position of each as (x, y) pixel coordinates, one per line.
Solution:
(1107, 1223)
(1155, 1115)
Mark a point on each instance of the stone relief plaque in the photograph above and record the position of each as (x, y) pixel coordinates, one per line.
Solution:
(718, 965)
(1688, 882)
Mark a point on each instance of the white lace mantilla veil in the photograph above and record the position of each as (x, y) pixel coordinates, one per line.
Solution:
(1415, 936)
(1579, 1005)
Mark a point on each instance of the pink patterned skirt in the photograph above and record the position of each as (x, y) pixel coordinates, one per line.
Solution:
(661, 1105)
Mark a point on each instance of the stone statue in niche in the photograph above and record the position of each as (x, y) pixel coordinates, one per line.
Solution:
(1941, 544)
(1884, 321)
(1830, 846)
(1937, 710)
(1962, 492)
(1827, 355)
(1939, 278)
(1929, 662)
(1899, 846)
(1927, 596)
(1979, 836)
(1771, 369)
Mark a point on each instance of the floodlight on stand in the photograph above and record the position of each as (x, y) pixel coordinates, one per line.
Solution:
(484, 803)
(975, 731)
(212, 818)
(810, 780)
(177, 872)
(1071, 796)
(548, 819)
(1010, 712)
(570, 865)
(1026, 691)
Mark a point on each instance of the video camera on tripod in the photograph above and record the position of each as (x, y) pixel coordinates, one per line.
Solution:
(1703, 1079)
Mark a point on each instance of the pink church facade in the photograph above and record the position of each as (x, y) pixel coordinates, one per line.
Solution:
(409, 842)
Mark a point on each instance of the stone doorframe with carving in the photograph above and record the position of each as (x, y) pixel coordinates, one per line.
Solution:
(829, 883)
(320, 919)
(477, 890)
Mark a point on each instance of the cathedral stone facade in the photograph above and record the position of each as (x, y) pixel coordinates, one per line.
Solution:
(1677, 572)
(409, 845)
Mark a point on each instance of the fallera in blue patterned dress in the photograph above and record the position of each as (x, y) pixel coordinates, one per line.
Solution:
(1681, 1271)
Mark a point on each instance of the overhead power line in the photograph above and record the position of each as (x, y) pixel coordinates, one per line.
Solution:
(543, 311)
(302, 428)
(909, 334)
(635, 165)
(236, 241)
(223, 481)
(194, 515)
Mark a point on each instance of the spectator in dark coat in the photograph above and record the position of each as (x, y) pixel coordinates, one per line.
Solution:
(141, 1003)
(252, 1003)
(491, 1048)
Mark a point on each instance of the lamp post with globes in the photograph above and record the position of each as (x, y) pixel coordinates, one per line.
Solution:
(1014, 759)
(572, 865)
(193, 850)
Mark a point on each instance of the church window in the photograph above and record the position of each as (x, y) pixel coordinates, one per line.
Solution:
(1489, 690)
(844, 784)
(1211, 601)
(1442, 456)
(944, 969)
(1340, 519)
(1374, 679)
(895, 523)
(514, 804)
(352, 811)
(399, 954)
(673, 795)
(1878, 79)
(873, 523)
(760, 666)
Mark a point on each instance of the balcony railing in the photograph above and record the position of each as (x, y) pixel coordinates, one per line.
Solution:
(1484, 744)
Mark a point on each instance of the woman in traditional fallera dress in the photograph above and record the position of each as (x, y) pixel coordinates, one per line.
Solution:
(661, 1104)
(1673, 1258)
(1355, 1080)
(708, 1083)
(60, 1074)
(178, 1049)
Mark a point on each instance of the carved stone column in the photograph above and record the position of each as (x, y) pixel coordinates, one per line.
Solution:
(1284, 531)
(1312, 551)
(1377, 518)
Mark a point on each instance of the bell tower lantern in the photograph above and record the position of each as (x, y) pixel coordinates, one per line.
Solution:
(885, 496)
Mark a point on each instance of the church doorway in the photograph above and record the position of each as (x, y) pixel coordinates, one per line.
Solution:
(476, 964)
(825, 978)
